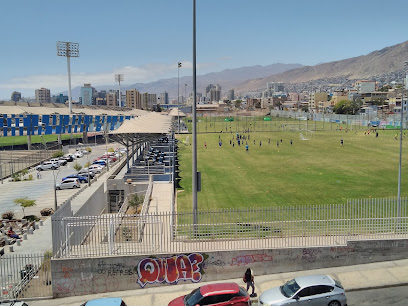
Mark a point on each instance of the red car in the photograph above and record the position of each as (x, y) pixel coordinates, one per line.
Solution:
(214, 294)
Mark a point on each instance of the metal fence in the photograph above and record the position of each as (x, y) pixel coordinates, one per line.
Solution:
(232, 229)
(15, 161)
(25, 276)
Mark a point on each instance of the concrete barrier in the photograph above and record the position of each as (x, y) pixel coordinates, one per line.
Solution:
(115, 273)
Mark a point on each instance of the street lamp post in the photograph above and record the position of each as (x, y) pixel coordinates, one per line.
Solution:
(55, 190)
(119, 78)
(400, 151)
(68, 49)
(178, 95)
(194, 157)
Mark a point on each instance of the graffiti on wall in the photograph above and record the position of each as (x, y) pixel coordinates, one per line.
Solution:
(247, 259)
(170, 269)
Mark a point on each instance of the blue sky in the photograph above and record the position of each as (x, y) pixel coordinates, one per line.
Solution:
(144, 39)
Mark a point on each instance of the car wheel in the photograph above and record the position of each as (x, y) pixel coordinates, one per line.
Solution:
(334, 303)
(53, 168)
(58, 188)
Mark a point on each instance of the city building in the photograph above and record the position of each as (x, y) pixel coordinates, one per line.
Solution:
(16, 96)
(148, 100)
(133, 99)
(87, 94)
(42, 95)
(315, 98)
(164, 98)
(365, 86)
(111, 99)
(59, 99)
(100, 101)
(275, 86)
(213, 92)
(231, 95)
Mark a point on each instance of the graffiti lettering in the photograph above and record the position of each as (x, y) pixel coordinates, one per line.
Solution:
(247, 259)
(170, 270)
(115, 269)
(67, 272)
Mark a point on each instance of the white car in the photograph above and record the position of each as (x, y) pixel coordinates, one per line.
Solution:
(61, 162)
(78, 154)
(47, 165)
(84, 172)
(68, 183)
(96, 168)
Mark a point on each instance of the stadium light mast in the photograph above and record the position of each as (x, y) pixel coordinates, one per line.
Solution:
(194, 161)
(68, 49)
(178, 95)
(119, 78)
(400, 149)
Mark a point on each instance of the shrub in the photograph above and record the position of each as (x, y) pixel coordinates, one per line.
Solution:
(77, 167)
(16, 177)
(87, 164)
(57, 154)
(30, 177)
(31, 218)
(135, 200)
(9, 215)
(111, 150)
(24, 203)
(89, 149)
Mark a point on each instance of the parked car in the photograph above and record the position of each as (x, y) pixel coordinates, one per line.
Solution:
(78, 154)
(310, 290)
(82, 179)
(61, 162)
(219, 294)
(99, 162)
(47, 165)
(96, 168)
(68, 183)
(68, 158)
(84, 172)
(13, 303)
(105, 302)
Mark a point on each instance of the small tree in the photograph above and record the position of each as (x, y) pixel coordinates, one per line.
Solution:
(77, 167)
(111, 150)
(24, 203)
(58, 154)
(135, 200)
(89, 149)
(87, 164)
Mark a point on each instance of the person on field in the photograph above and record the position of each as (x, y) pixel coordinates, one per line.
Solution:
(246, 148)
(249, 280)
(341, 141)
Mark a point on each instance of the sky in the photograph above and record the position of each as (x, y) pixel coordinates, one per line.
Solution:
(144, 39)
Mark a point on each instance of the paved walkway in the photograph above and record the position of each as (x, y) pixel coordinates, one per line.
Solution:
(161, 197)
(353, 278)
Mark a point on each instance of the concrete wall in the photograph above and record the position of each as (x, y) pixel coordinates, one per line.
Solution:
(98, 275)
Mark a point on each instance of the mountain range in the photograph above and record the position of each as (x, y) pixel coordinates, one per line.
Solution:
(254, 78)
(376, 63)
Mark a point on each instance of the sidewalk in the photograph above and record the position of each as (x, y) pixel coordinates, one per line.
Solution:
(353, 278)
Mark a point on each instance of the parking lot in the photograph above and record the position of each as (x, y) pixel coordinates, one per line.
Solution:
(42, 189)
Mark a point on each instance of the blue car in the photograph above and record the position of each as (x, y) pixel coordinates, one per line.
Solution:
(105, 302)
(100, 162)
(81, 179)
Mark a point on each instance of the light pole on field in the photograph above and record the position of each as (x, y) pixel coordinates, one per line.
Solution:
(178, 95)
(119, 78)
(400, 148)
(194, 157)
(68, 49)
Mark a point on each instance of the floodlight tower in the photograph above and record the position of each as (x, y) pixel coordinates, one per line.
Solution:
(119, 78)
(68, 49)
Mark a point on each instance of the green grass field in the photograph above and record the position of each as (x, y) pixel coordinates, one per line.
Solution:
(312, 172)
(19, 140)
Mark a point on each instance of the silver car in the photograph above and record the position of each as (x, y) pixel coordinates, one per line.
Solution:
(313, 290)
(68, 183)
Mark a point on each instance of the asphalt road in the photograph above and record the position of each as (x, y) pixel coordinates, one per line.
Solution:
(395, 296)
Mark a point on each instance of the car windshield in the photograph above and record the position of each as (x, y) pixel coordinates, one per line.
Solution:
(193, 298)
(290, 288)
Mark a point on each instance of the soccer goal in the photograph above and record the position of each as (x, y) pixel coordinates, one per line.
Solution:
(187, 141)
(294, 127)
(307, 135)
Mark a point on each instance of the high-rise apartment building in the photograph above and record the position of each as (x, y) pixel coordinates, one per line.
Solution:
(164, 98)
(213, 92)
(133, 99)
(111, 99)
(59, 99)
(43, 95)
(16, 96)
(87, 94)
(365, 86)
(231, 95)
(148, 100)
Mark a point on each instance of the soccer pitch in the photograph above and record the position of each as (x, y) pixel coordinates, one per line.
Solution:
(309, 172)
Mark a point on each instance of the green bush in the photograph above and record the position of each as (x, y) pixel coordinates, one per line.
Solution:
(89, 149)
(31, 218)
(30, 177)
(111, 150)
(9, 215)
(87, 165)
(58, 154)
